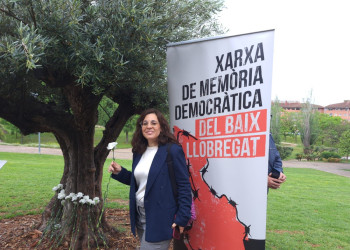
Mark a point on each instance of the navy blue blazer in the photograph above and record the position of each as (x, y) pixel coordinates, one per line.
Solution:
(160, 204)
(275, 161)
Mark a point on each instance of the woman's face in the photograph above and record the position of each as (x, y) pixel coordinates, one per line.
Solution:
(151, 129)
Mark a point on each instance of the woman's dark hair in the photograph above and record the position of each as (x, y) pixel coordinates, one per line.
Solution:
(139, 142)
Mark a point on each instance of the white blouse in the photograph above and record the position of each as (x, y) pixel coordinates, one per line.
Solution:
(141, 173)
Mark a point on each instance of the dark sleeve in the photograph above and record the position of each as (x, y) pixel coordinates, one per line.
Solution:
(183, 213)
(124, 176)
(275, 161)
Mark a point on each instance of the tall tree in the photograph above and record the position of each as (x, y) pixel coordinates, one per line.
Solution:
(308, 124)
(58, 58)
(275, 120)
(129, 127)
(331, 129)
(344, 144)
(288, 124)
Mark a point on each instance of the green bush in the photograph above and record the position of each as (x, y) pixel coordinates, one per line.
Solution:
(334, 159)
(311, 156)
(2, 131)
(2, 136)
(331, 159)
(284, 151)
(299, 157)
(328, 154)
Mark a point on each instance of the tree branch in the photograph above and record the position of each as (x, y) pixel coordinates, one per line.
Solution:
(32, 14)
(10, 14)
(33, 116)
(113, 128)
(109, 117)
(50, 78)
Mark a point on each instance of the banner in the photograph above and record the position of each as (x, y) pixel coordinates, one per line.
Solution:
(220, 99)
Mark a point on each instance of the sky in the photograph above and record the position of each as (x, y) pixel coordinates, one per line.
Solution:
(311, 45)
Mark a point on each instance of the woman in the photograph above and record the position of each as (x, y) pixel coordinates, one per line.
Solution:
(154, 212)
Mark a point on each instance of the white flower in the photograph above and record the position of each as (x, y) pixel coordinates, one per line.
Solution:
(91, 202)
(82, 201)
(96, 200)
(93, 3)
(58, 187)
(112, 145)
(70, 196)
(80, 194)
(61, 195)
(74, 197)
(86, 197)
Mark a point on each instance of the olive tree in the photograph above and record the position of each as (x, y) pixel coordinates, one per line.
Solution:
(59, 58)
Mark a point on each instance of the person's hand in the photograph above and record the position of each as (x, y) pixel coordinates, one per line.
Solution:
(282, 177)
(273, 182)
(181, 229)
(114, 168)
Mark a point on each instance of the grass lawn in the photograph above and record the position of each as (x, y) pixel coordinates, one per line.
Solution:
(26, 183)
(311, 210)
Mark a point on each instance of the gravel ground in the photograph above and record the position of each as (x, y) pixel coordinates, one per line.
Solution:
(342, 169)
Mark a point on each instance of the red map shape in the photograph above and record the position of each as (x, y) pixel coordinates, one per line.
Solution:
(217, 225)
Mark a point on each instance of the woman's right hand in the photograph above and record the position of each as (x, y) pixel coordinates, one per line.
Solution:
(114, 168)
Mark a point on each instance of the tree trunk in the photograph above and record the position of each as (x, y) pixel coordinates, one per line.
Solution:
(66, 220)
(81, 226)
(72, 221)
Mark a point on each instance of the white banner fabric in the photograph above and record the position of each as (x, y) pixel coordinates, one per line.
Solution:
(219, 100)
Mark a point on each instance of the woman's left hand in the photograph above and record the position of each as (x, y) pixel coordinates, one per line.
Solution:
(181, 229)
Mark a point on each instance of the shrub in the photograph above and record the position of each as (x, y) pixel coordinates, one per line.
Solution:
(334, 159)
(331, 159)
(284, 151)
(2, 132)
(1, 135)
(299, 157)
(328, 154)
(311, 157)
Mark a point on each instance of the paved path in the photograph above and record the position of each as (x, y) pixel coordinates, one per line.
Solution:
(124, 153)
(335, 168)
(342, 169)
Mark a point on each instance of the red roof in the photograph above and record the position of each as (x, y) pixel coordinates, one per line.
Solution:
(290, 105)
(298, 105)
(343, 105)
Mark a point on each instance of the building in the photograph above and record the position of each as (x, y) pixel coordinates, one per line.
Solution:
(293, 106)
(339, 109)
